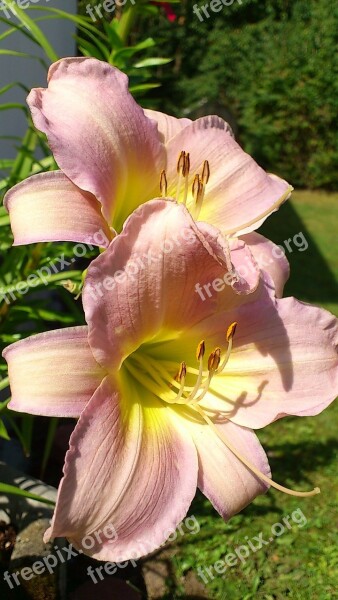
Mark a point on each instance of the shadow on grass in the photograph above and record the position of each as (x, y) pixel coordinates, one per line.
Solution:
(311, 278)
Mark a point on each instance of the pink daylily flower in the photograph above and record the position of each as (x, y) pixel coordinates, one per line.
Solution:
(166, 392)
(115, 156)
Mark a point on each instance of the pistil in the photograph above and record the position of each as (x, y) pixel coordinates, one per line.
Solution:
(248, 464)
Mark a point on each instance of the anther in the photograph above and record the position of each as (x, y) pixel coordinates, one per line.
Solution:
(186, 170)
(197, 188)
(200, 350)
(163, 184)
(186, 166)
(231, 331)
(181, 167)
(205, 172)
(214, 360)
(182, 372)
(181, 163)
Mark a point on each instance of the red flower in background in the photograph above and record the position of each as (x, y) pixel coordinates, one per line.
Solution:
(171, 16)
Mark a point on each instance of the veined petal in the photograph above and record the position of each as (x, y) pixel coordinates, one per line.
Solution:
(48, 207)
(143, 466)
(239, 193)
(229, 485)
(284, 362)
(168, 126)
(144, 285)
(99, 136)
(52, 374)
(270, 258)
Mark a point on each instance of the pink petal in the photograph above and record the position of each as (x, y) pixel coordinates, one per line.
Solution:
(130, 467)
(242, 258)
(99, 136)
(137, 288)
(228, 484)
(239, 193)
(284, 362)
(52, 374)
(49, 207)
(168, 126)
(270, 258)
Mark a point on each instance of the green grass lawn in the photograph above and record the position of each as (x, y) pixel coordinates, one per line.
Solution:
(302, 563)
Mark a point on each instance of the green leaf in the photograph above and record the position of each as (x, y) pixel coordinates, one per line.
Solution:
(16, 491)
(3, 431)
(14, 53)
(35, 30)
(152, 62)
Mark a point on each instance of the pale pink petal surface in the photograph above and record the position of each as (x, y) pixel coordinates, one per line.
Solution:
(49, 207)
(52, 374)
(223, 479)
(269, 258)
(98, 134)
(130, 466)
(284, 362)
(239, 193)
(168, 126)
(137, 289)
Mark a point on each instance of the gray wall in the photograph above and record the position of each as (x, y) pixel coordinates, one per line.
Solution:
(28, 71)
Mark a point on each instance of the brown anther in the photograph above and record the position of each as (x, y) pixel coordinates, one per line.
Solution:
(181, 162)
(214, 360)
(163, 184)
(197, 188)
(200, 350)
(205, 172)
(186, 167)
(181, 373)
(231, 331)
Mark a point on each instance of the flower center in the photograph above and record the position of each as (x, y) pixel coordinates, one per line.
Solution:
(192, 395)
(154, 376)
(183, 175)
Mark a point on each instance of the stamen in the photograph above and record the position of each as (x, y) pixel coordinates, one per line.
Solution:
(180, 162)
(180, 377)
(205, 172)
(214, 360)
(186, 170)
(248, 464)
(199, 355)
(229, 336)
(186, 165)
(196, 188)
(163, 184)
(198, 195)
(213, 363)
(231, 331)
(200, 350)
(180, 170)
